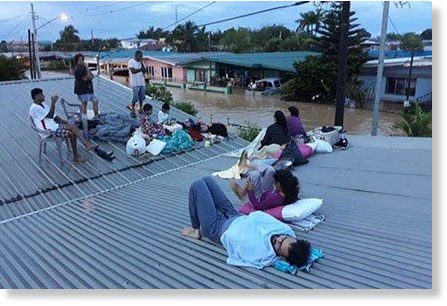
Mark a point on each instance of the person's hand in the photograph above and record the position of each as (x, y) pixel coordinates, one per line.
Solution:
(54, 99)
(249, 186)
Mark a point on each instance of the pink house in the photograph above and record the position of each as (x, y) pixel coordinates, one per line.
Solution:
(166, 69)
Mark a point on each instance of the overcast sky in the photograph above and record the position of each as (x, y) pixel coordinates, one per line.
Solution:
(124, 19)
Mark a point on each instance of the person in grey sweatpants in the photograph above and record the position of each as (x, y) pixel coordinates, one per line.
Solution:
(210, 210)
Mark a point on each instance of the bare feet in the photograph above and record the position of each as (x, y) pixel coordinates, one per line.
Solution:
(79, 159)
(238, 190)
(90, 146)
(190, 232)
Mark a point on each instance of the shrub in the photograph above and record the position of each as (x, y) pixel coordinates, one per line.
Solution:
(186, 107)
(250, 132)
(159, 92)
(417, 123)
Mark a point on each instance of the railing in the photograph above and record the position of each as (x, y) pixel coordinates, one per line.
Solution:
(424, 98)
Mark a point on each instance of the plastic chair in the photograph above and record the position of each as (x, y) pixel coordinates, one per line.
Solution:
(75, 116)
(46, 136)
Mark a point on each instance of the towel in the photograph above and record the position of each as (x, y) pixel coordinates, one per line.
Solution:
(284, 266)
(233, 172)
(250, 148)
(308, 223)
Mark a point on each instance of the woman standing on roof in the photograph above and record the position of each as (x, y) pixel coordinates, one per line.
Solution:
(84, 86)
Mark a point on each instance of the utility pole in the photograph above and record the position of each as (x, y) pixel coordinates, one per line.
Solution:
(342, 63)
(176, 16)
(31, 59)
(409, 77)
(93, 41)
(36, 44)
(375, 123)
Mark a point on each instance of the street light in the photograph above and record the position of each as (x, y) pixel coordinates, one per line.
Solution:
(34, 17)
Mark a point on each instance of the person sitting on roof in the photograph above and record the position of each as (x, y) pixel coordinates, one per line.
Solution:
(277, 133)
(266, 187)
(163, 114)
(257, 240)
(44, 118)
(149, 128)
(294, 123)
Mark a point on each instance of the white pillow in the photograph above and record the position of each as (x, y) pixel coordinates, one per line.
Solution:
(323, 147)
(155, 147)
(301, 209)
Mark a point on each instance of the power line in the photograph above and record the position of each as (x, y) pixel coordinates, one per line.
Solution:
(196, 11)
(254, 13)
(13, 17)
(114, 11)
(14, 29)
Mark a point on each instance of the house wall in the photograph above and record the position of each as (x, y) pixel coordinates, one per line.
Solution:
(178, 73)
(423, 77)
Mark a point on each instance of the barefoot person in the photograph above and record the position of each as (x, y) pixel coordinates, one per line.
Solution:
(84, 85)
(257, 240)
(137, 81)
(44, 118)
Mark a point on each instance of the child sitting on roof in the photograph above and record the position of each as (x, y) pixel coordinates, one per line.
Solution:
(149, 129)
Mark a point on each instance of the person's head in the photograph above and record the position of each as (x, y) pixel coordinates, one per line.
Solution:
(79, 59)
(147, 109)
(280, 119)
(37, 95)
(288, 184)
(294, 111)
(295, 252)
(165, 108)
(138, 55)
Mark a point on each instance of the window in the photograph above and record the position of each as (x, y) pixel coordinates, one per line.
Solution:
(151, 70)
(200, 75)
(398, 86)
(166, 73)
(277, 84)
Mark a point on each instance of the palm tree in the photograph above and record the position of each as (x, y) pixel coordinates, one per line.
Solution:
(69, 40)
(416, 122)
(184, 36)
(310, 21)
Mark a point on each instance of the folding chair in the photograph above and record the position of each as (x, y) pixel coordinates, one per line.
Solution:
(75, 116)
(46, 136)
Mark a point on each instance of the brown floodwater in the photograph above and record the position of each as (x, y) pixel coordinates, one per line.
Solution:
(241, 108)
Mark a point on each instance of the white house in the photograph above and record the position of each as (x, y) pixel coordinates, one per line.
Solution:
(136, 43)
(395, 78)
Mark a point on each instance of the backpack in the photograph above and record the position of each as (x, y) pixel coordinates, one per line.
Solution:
(293, 153)
(218, 129)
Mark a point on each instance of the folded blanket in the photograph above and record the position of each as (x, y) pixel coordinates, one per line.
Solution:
(308, 223)
(284, 266)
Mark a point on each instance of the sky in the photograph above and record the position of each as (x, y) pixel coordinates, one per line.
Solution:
(124, 19)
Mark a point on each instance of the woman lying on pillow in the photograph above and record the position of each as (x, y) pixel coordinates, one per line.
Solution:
(267, 188)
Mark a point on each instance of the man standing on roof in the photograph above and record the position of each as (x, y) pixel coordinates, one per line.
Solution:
(137, 81)
(44, 118)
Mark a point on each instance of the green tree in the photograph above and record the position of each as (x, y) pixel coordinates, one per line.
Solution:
(184, 37)
(411, 42)
(11, 68)
(273, 44)
(3, 46)
(238, 40)
(310, 22)
(69, 40)
(153, 33)
(416, 122)
(298, 42)
(426, 34)
(393, 36)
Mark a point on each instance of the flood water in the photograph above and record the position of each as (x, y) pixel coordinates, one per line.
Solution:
(240, 108)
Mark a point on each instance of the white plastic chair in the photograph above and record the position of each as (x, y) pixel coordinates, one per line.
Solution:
(46, 136)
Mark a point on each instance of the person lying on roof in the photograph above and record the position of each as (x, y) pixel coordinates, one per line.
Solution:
(257, 240)
(43, 115)
(266, 187)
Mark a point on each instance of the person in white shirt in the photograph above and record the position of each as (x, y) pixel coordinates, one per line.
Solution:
(43, 115)
(163, 114)
(137, 81)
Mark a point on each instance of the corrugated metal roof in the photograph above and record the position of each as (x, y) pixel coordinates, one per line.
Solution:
(27, 185)
(377, 200)
(267, 60)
